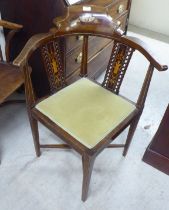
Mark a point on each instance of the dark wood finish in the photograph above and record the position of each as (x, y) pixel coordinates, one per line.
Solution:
(99, 26)
(60, 146)
(73, 59)
(37, 18)
(10, 25)
(122, 18)
(10, 76)
(10, 79)
(118, 63)
(87, 162)
(83, 70)
(11, 29)
(157, 153)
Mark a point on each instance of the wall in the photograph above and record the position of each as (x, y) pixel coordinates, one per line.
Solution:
(151, 14)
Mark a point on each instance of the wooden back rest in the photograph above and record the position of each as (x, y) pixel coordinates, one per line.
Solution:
(116, 69)
(118, 63)
(54, 64)
(95, 24)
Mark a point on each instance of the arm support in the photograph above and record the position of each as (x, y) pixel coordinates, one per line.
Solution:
(144, 48)
(32, 44)
(10, 25)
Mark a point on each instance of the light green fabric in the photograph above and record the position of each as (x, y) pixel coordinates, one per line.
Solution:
(86, 111)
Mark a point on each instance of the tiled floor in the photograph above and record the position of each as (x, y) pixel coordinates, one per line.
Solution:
(53, 181)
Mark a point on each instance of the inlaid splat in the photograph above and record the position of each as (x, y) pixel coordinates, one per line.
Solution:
(118, 63)
(54, 65)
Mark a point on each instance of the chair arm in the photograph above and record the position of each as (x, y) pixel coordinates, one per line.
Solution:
(10, 25)
(32, 44)
(13, 27)
(144, 48)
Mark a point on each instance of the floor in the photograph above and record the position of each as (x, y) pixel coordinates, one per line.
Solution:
(53, 181)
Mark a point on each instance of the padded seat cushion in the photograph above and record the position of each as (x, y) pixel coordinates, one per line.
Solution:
(86, 111)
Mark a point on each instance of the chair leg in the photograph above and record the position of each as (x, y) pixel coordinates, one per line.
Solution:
(35, 134)
(87, 162)
(130, 135)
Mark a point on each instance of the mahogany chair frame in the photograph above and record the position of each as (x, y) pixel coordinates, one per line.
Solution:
(10, 76)
(123, 45)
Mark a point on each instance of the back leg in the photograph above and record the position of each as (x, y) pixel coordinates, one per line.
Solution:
(130, 135)
(35, 134)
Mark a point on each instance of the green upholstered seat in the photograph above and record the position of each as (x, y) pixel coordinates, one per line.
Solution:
(86, 111)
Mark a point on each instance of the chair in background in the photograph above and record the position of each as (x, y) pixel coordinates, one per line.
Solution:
(10, 76)
(88, 116)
